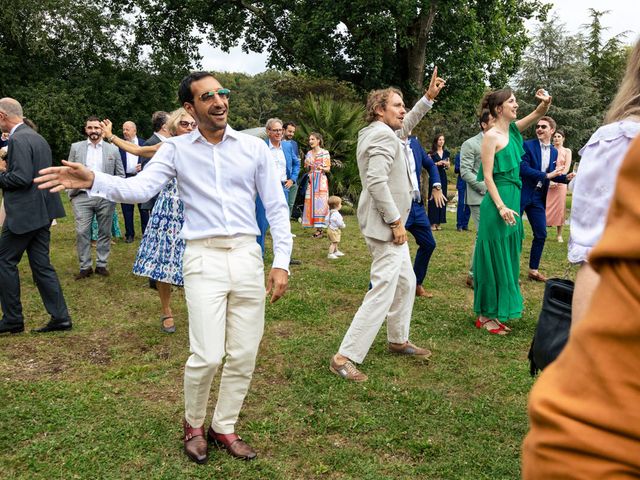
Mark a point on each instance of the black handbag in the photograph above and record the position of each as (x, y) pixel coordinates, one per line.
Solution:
(554, 323)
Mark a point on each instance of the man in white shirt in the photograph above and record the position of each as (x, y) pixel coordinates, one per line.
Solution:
(131, 164)
(219, 172)
(97, 156)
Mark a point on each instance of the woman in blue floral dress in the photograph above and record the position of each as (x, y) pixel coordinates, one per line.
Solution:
(161, 249)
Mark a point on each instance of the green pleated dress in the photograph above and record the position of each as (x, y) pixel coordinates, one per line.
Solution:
(496, 262)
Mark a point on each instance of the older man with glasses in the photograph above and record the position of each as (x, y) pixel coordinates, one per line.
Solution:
(537, 168)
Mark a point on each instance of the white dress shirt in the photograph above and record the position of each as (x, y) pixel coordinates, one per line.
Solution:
(218, 185)
(280, 160)
(94, 156)
(132, 160)
(545, 156)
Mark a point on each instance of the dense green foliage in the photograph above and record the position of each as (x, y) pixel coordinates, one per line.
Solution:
(581, 82)
(65, 60)
(371, 44)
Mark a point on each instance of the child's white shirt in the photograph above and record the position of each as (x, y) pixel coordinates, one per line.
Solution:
(334, 220)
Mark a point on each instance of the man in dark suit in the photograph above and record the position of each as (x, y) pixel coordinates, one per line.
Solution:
(160, 134)
(463, 212)
(130, 164)
(29, 215)
(418, 222)
(538, 166)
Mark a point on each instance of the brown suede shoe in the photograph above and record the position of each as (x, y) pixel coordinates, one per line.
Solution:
(409, 348)
(421, 292)
(347, 370)
(537, 277)
(232, 443)
(469, 281)
(195, 445)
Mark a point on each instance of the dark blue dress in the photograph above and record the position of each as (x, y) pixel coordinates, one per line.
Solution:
(439, 215)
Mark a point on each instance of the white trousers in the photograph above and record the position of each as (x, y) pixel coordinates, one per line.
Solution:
(225, 293)
(391, 296)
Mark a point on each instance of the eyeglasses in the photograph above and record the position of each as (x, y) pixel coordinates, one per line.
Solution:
(221, 92)
(185, 124)
(541, 127)
(276, 130)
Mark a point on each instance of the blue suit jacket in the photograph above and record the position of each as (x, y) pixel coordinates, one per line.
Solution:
(531, 173)
(417, 215)
(423, 160)
(123, 155)
(290, 150)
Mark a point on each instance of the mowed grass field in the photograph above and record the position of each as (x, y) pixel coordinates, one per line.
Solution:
(104, 401)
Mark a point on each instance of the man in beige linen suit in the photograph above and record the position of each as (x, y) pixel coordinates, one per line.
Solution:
(98, 156)
(384, 164)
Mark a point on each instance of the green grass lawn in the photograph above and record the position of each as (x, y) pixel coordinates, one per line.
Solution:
(105, 400)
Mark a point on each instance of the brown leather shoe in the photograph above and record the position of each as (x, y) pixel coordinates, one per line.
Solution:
(537, 276)
(102, 271)
(469, 281)
(408, 348)
(86, 273)
(421, 292)
(347, 370)
(195, 445)
(232, 443)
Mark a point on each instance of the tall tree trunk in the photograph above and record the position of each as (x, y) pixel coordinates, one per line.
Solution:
(414, 56)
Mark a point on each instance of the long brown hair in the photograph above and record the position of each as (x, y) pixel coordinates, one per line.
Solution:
(627, 101)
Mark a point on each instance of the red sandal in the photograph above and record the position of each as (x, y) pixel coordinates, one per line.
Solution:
(500, 330)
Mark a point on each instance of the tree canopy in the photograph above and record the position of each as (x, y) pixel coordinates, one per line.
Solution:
(372, 44)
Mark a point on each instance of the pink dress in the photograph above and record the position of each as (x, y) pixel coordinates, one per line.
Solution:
(316, 198)
(557, 193)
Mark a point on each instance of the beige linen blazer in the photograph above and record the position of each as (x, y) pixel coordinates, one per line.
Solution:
(386, 185)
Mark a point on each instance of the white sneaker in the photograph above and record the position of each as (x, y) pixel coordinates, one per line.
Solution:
(332, 256)
(293, 235)
(338, 253)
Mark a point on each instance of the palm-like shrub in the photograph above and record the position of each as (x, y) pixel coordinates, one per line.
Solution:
(338, 123)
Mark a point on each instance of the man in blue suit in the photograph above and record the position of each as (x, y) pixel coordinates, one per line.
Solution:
(463, 212)
(132, 165)
(289, 133)
(537, 167)
(285, 156)
(418, 222)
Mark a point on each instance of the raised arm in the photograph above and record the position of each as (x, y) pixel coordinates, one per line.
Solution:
(422, 106)
(107, 134)
(539, 112)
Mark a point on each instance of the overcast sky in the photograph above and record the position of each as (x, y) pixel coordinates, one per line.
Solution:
(624, 16)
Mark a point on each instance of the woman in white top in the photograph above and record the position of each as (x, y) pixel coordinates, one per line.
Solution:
(595, 184)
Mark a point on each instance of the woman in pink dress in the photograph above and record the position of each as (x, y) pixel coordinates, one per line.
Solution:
(557, 194)
(316, 198)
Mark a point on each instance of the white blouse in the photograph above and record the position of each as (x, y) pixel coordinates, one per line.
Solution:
(595, 183)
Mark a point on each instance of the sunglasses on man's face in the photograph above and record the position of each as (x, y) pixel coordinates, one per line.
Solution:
(221, 92)
(185, 124)
(541, 127)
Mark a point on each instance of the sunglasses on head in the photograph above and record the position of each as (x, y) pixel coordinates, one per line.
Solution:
(221, 92)
(541, 127)
(185, 124)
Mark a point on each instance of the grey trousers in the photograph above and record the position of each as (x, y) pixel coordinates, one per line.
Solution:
(475, 215)
(84, 207)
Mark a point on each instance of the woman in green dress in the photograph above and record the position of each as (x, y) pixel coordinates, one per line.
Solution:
(496, 265)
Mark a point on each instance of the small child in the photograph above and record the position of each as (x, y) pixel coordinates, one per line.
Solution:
(334, 224)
